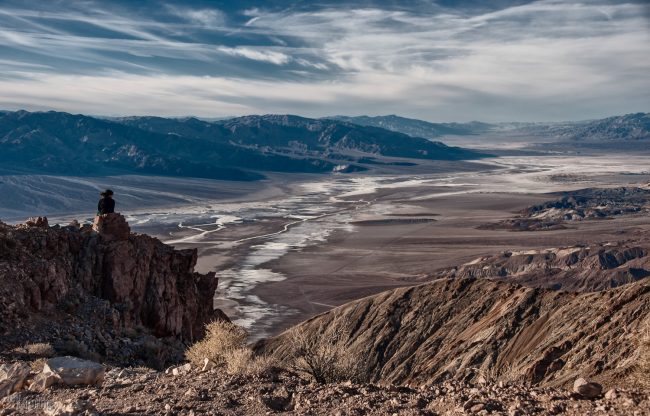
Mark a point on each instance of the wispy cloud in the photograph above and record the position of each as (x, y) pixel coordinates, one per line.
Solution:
(277, 58)
(210, 18)
(539, 60)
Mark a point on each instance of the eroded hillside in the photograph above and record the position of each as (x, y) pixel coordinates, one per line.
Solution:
(469, 328)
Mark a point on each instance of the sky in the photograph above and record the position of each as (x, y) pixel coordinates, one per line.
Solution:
(501, 60)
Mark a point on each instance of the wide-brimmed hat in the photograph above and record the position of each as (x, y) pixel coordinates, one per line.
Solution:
(107, 192)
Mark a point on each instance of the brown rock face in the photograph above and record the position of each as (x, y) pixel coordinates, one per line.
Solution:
(467, 328)
(114, 278)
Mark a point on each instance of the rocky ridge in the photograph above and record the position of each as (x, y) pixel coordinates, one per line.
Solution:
(110, 295)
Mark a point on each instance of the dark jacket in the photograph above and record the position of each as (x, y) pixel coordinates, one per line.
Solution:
(106, 205)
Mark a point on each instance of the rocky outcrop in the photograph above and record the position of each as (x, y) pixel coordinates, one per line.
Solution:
(579, 205)
(576, 268)
(89, 286)
(471, 328)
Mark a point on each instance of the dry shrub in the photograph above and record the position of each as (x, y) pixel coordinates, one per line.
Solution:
(325, 357)
(220, 339)
(39, 350)
(225, 344)
(243, 361)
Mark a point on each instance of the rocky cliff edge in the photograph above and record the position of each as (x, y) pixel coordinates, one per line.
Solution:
(100, 291)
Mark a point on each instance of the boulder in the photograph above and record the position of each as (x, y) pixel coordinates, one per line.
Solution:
(587, 389)
(112, 227)
(12, 377)
(73, 370)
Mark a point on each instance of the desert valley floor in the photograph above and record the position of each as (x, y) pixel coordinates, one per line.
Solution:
(291, 247)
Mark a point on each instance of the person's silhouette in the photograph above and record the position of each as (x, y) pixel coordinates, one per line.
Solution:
(106, 205)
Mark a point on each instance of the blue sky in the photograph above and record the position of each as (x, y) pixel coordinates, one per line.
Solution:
(439, 61)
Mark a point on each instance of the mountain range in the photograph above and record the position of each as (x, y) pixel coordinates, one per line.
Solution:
(243, 148)
(235, 149)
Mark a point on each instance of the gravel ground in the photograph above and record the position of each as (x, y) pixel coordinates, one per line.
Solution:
(141, 391)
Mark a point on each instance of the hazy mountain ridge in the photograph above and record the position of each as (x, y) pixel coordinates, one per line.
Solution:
(234, 149)
(626, 127)
(418, 128)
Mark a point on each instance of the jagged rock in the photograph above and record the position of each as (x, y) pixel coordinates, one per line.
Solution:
(42, 381)
(72, 370)
(12, 377)
(40, 222)
(587, 389)
(112, 227)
